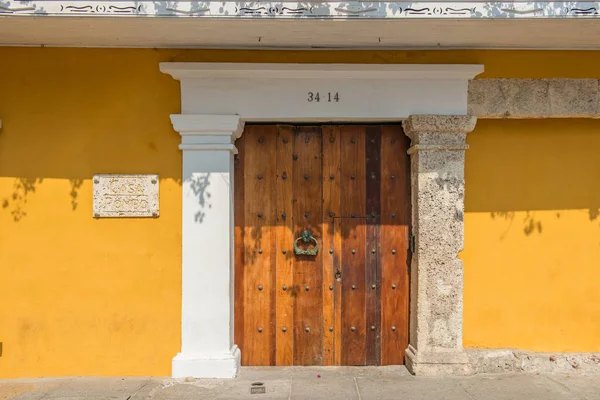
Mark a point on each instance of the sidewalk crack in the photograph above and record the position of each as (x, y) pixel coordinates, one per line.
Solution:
(357, 391)
(565, 387)
(469, 395)
(132, 396)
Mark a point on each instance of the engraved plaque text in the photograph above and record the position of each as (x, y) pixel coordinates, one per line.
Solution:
(125, 195)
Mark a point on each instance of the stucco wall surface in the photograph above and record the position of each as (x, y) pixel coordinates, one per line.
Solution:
(532, 235)
(85, 296)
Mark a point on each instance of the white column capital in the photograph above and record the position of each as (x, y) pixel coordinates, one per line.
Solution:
(207, 131)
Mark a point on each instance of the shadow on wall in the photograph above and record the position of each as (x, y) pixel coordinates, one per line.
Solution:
(85, 287)
(532, 166)
(199, 185)
(117, 122)
(15, 203)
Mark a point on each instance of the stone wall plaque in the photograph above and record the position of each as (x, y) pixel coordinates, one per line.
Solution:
(125, 195)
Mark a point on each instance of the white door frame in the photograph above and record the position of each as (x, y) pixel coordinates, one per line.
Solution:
(218, 98)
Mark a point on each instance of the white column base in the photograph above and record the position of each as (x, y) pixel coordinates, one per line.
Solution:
(205, 366)
(435, 363)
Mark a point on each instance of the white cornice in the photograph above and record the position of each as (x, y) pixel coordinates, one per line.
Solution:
(207, 125)
(207, 132)
(184, 70)
(317, 92)
(302, 10)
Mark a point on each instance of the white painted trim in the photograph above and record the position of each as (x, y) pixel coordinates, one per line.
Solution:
(216, 101)
(226, 366)
(228, 147)
(280, 92)
(304, 10)
(207, 348)
(188, 70)
(207, 125)
(207, 132)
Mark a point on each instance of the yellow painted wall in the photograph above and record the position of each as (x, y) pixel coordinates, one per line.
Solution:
(81, 296)
(532, 235)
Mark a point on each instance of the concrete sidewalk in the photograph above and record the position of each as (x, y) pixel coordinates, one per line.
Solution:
(312, 383)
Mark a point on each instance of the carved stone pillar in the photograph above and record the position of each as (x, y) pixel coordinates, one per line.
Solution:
(437, 151)
(207, 349)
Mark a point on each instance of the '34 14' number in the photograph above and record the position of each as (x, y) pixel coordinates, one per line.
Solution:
(329, 97)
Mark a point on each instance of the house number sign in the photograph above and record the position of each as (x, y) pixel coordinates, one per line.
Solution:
(326, 97)
(125, 195)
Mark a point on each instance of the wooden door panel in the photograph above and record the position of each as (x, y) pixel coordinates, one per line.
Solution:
(292, 309)
(285, 244)
(239, 240)
(395, 254)
(307, 214)
(259, 239)
(331, 241)
(373, 209)
(353, 205)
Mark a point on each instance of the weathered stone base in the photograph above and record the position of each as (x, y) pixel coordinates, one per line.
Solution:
(513, 361)
(500, 361)
(437, 363)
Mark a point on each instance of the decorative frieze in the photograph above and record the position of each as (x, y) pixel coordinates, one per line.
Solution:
(321, 10)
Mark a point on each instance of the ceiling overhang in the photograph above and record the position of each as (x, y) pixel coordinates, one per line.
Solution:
(264, 24)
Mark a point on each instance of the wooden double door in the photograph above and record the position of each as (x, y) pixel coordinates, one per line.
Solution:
(322, 251)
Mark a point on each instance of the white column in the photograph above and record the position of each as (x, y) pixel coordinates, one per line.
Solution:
(207, 348)
(438, 144)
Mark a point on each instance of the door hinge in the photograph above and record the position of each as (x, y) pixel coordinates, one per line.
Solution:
(412, 243)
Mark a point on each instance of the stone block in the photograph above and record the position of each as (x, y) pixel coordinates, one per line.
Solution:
(491, 361)
(573, 98)
(486, 100)
(437, 363)
(526, 98)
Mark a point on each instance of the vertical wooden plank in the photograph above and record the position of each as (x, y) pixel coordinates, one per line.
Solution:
(238, 208)
(285, 247)
(373, 187)
(353, 250)
(331, 208)
(395, 254)
(308, 270)
(337, 287)
(259, 238)
(337, 257)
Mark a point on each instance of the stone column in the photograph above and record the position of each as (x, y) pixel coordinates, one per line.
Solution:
(207, 349)
(437, 151)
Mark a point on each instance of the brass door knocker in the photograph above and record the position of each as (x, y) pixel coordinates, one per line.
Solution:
(306, 237)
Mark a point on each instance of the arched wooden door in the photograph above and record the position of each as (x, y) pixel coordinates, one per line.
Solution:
(347, 189)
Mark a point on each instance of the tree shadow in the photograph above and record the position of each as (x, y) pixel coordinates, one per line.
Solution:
(23, 188)
(199, 185)
(75, 186)
(531, 225)
(527, 168)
